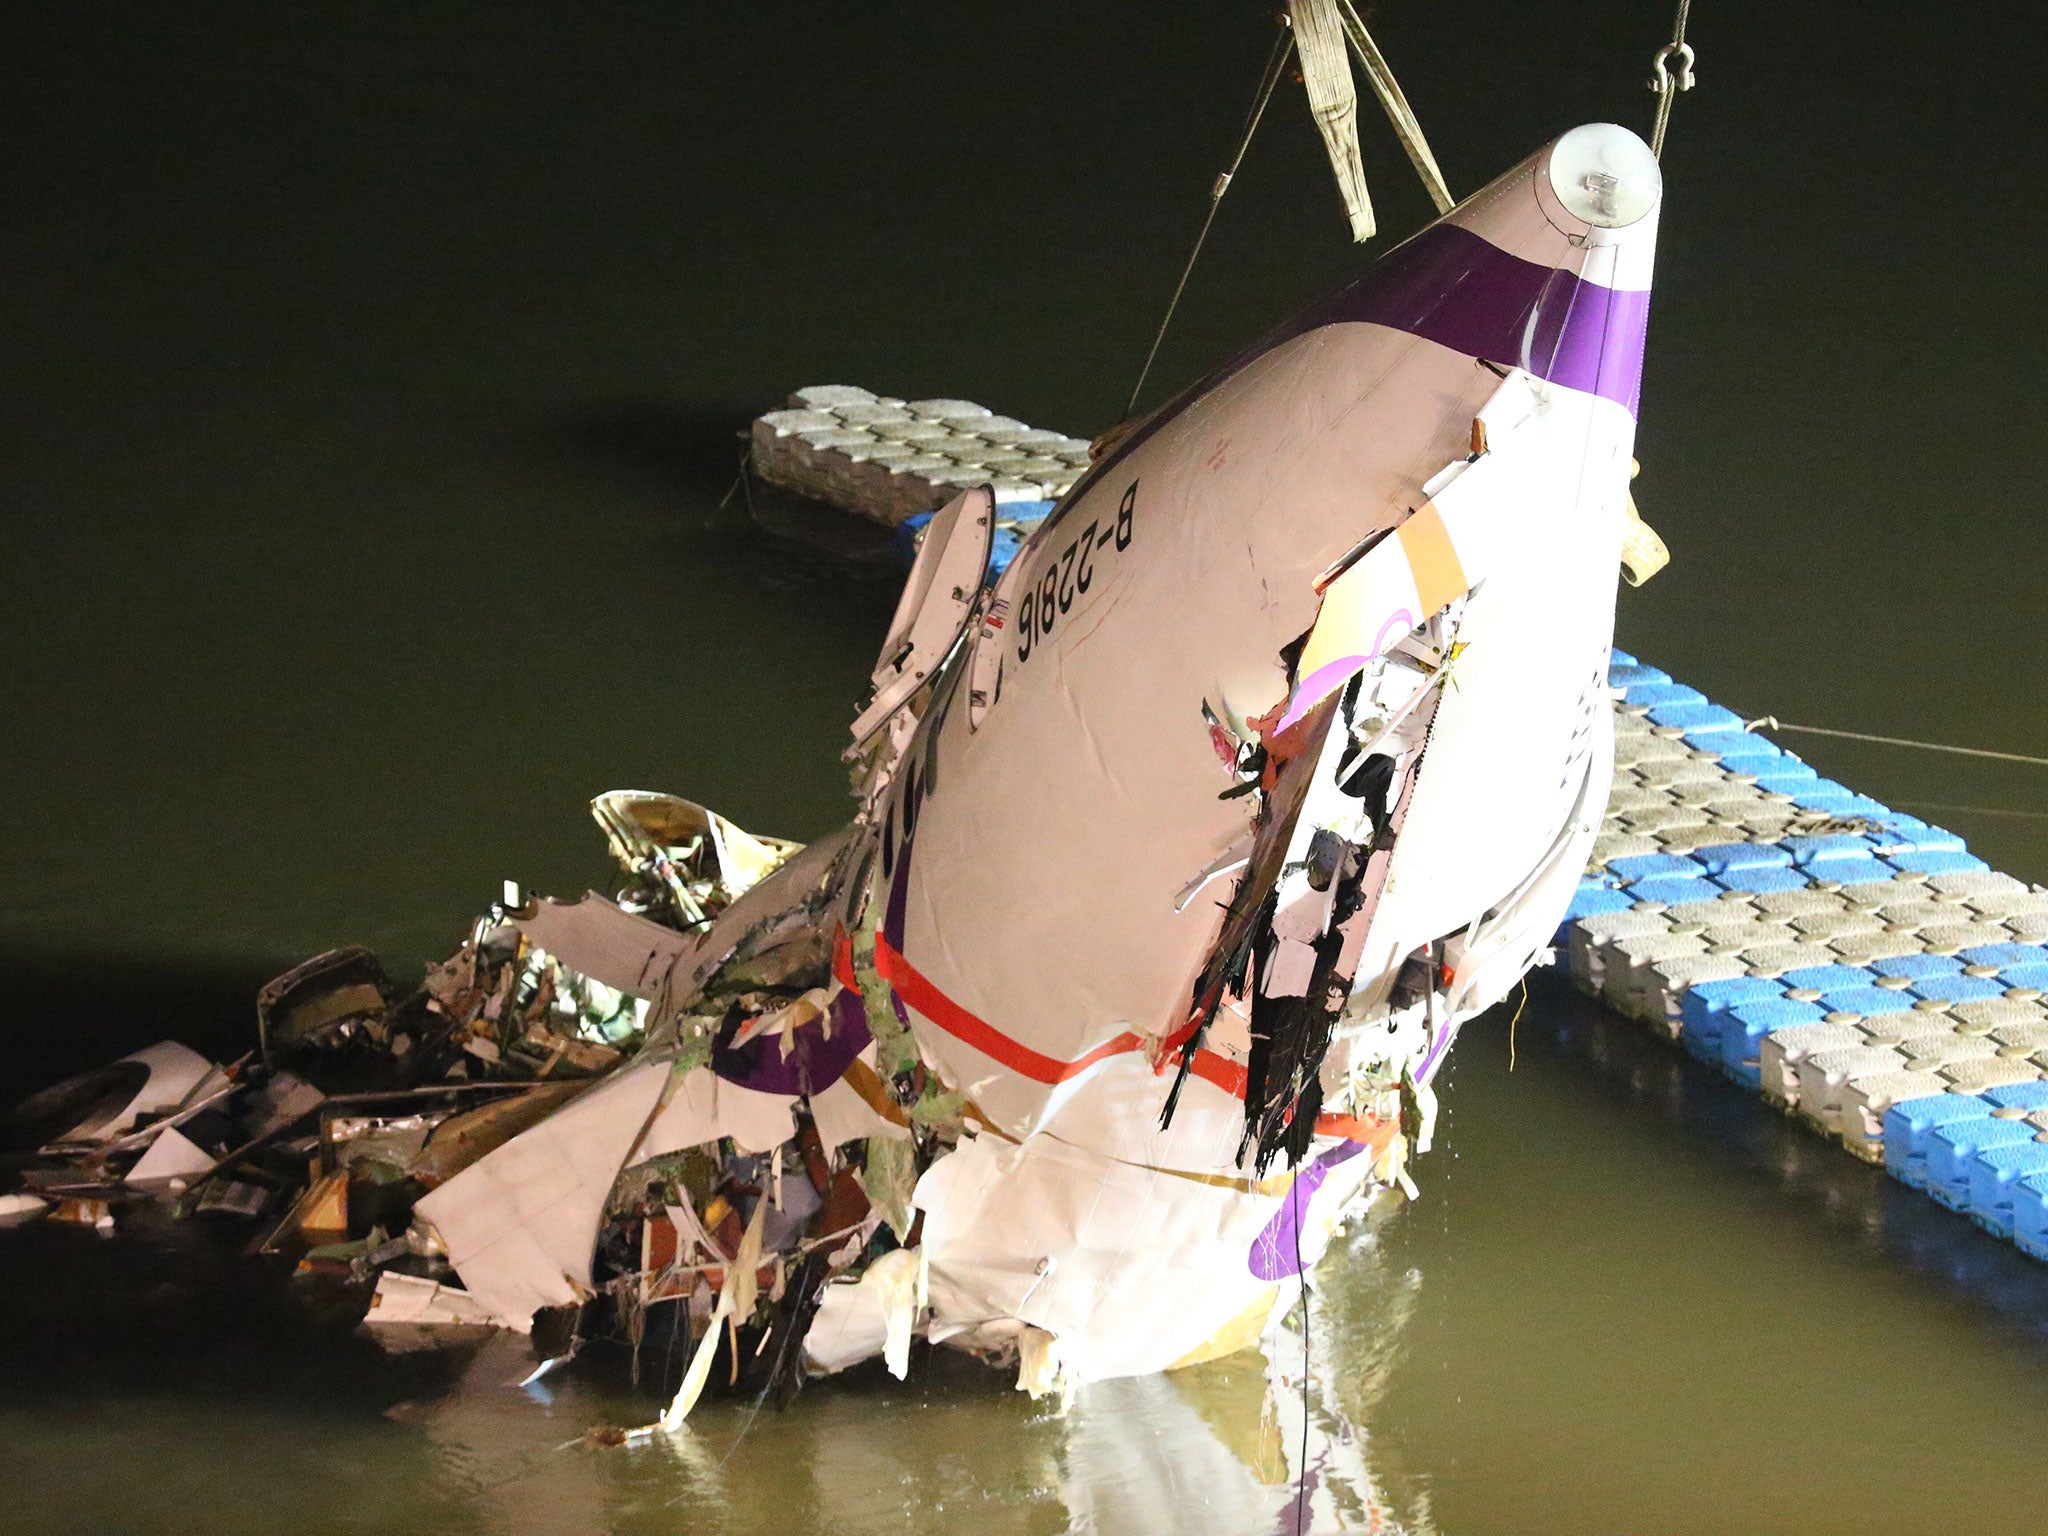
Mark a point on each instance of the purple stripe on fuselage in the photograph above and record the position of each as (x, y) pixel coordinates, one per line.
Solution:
(1464, 292)
(1461, 291)
(818, 1057)
(1276, 1251)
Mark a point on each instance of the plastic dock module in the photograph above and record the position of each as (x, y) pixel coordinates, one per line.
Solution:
(897, 460)
(1855, 965)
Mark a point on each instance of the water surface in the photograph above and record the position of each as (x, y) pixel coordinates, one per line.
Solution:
(372, 376)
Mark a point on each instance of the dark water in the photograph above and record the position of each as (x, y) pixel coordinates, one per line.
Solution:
(371, 376)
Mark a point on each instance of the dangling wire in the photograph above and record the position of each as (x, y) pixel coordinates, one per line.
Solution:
(1283, 45)
(1668, 81)
(1301, 1274)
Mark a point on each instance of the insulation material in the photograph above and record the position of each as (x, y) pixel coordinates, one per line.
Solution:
(898, 1281)
(1643, 552)
(1038, 1363)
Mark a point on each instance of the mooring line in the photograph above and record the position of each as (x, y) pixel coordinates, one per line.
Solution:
(1774, 723)
(1972, 810)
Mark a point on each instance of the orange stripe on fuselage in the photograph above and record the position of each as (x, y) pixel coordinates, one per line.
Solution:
(1432, 558)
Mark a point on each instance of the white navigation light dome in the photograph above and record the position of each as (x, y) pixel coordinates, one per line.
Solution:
(1605, 175)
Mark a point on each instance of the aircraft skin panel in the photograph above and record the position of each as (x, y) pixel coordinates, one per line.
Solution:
(1054, 920)
(1508, 749)
(1039, 875)
(1049, 838)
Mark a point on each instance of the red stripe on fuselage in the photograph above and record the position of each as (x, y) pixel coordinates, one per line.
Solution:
(918, 991)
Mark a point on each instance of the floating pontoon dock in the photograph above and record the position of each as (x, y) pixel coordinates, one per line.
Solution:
(1855, 965)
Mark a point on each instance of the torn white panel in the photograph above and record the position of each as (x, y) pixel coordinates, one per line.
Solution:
(1084, 1248)
(625, 951)
(854, 1320)
(702, 1107)
(520, 1223)
(175, 1073)
(787, 1019)
(410, 1299)
(1525, 708)
(842, 1115)
(173, 1155)
(943, 583)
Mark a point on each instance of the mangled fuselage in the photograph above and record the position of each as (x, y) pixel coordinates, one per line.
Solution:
(1186, 846)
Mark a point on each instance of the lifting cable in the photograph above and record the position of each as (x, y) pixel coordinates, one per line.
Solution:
(1406, 128)
(1276, 61)
(1668, 81)
(1328, 93)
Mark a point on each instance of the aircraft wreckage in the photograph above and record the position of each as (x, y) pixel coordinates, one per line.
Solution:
(1183, 847)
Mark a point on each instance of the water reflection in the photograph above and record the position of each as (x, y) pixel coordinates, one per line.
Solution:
(1218, 1448)
(1627, 1285)
(1730, 1125)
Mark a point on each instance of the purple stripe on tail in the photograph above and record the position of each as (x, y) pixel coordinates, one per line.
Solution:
(1455, 288)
